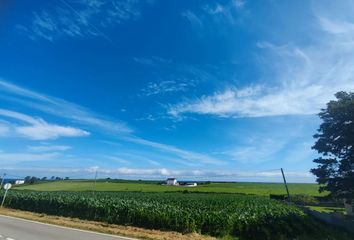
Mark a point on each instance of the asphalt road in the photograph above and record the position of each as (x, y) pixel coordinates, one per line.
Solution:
(19, 229)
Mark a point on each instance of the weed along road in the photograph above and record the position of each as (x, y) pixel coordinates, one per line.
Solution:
(19, 229)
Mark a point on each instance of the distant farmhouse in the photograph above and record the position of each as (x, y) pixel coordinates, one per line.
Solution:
(171, 181)
(17, 182)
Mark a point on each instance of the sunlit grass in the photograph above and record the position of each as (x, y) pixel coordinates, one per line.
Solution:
(245, 188)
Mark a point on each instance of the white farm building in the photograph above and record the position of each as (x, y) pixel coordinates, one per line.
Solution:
(171, 181)
(19, 182)
(191, 184)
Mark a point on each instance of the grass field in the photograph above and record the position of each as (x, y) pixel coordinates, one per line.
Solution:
(245, 188)
(327, 209)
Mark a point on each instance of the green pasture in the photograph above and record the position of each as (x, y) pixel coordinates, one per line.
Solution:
(214, 187)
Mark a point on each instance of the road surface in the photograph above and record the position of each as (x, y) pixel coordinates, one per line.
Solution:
(19, 229)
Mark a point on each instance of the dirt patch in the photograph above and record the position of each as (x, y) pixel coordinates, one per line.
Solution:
(114, 229)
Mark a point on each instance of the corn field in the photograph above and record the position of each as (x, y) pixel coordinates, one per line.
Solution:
(242, 216)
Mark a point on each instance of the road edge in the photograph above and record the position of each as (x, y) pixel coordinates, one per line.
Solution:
(71, 228)
(128, 232)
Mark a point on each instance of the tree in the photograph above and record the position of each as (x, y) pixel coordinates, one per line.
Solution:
(31, 179)
(28, 179)
(335, 144)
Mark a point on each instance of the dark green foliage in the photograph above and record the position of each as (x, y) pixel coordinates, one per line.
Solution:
(31, 179)
(281, 197)
(246, 217)
(335, 142)
(304, 199)
(299, 199)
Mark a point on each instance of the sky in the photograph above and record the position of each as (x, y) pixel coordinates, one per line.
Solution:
(204, 90)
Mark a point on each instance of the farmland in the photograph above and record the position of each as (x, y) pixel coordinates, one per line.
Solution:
(234, 215)
(263, 189)
(227, 210)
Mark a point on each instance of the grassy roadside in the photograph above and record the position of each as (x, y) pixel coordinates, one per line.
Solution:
(327, 209)
(100, 227)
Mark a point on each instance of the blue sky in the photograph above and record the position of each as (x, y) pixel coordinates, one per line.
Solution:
(217, 90)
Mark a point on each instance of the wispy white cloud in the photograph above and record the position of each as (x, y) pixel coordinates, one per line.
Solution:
(272, 101)
(227, 12)
(171, 76)
(38, 129)
(43, 26)
(48, 148)
(192, 18)
(152, 61)
(158, 158)
(117, 159)
(217, 9)
(11, 158)
(62, 108)
(300, 152)
(79, 18)
(181, 71)
(14, 89)
(127, 158)
(41, 130)
(164, 87)
(45, 131)
(304, 78)
(240, 4)
(184, 154)
(257, 151)
(4, 128)
(155, 163)
(336, 27)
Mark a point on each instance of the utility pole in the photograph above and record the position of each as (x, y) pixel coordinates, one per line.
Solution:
(7, 186)
(2, 180)
(94, 184)
(286, 185)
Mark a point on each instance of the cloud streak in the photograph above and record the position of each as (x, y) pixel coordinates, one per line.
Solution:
(80, 18)
(26, 157)
(184, 154)
(192, 18)
(304, 79)
(228, 12)
(258, 151)
(48, 148)
(38, 129)
(62, 108)
(165, 87)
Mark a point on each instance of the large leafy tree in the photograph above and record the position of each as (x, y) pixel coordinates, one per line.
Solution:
(335, 144)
